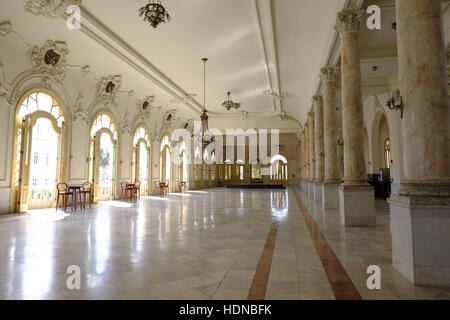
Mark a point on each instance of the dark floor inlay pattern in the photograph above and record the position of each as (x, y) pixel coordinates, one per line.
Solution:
(259, 284)
(341, 284)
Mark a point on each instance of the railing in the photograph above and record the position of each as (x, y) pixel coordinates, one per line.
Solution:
(42, 197)
(104, 192)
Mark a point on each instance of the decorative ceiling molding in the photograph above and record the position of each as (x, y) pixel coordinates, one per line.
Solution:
(52, 9)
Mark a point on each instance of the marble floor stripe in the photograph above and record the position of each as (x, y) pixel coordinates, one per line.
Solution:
(259, 284)
(341, 283)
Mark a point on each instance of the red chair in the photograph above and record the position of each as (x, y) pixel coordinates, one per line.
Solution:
(85, 191)
(124, 190)
(63, 191)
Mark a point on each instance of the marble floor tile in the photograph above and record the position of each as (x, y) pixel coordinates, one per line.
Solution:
(209, 245)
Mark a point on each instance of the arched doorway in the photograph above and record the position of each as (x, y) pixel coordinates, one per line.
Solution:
(141, 159)
(165, 162)
(279, 170)
(183, 173)
(40, 150)
(103, 157)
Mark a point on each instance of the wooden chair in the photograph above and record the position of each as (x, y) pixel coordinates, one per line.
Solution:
(85, 191)
(63, 191)
(124, 190)
(157, 187)
(164, 185)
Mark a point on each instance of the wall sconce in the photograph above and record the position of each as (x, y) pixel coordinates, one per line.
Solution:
(395, 102)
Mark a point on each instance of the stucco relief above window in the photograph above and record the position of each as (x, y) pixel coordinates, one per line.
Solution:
(53, 9)
(50, 61)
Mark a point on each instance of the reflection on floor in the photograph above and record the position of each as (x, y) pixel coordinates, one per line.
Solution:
(212, 244)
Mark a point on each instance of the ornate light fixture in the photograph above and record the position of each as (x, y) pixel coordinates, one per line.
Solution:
(154, 13)
(395, 102)
(207, 137)
(230, 104)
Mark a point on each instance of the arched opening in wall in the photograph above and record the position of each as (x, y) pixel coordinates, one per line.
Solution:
(40, 151)
(367, 160)
(239, 177)
(279, 170)
(103, 157)
(384, 148)
(166, 163)
(141, 169)
(183, 168)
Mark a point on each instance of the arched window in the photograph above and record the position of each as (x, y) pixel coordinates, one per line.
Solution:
(141, 169)
(387, 153)
(103, 121)
(40, 101)
(103, 157)
(278, 169)
(40, 134)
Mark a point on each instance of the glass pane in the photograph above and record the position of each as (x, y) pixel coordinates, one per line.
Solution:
(44, 102)
(55, 112)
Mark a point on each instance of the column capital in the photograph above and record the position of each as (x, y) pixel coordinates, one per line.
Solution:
(311, 115)
(349, 21)
(317, 100)
(328, 74)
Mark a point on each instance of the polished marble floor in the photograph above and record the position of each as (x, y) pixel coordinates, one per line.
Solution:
(214, 244)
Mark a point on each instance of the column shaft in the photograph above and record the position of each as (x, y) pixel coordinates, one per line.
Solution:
(424, 89)
(312, 168)
(318, 138)
(352, 111)
(330, 134)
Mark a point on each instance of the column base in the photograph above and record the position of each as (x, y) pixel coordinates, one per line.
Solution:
(357, 206)
(318, 190)
(330, 193)
(421, 242)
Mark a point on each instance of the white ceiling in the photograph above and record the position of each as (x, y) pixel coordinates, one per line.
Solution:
(253, 45)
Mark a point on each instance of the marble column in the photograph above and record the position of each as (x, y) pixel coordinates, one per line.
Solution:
(307, 171)
(311, 144)
(318, 147)
(330, 191)
(420, 212)
(303, 159)
(356, 197)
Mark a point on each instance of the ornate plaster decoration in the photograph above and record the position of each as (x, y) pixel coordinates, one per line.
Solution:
(278, 95)
(4, 86)
(144, 106)
(79, 112)
(131, 94)
(349, 21)
(5, 28)
(109, 88)
(328, 74)
(50, 61)
(53, 9)
(125, 124)
(85, 70)
(169, 115)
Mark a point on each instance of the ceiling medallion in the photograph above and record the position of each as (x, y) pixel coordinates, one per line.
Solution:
(230, 104)
(154, 13)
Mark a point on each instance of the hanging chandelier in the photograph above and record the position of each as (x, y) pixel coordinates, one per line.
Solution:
(230, 104)
(207, 137)
(154, 13)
